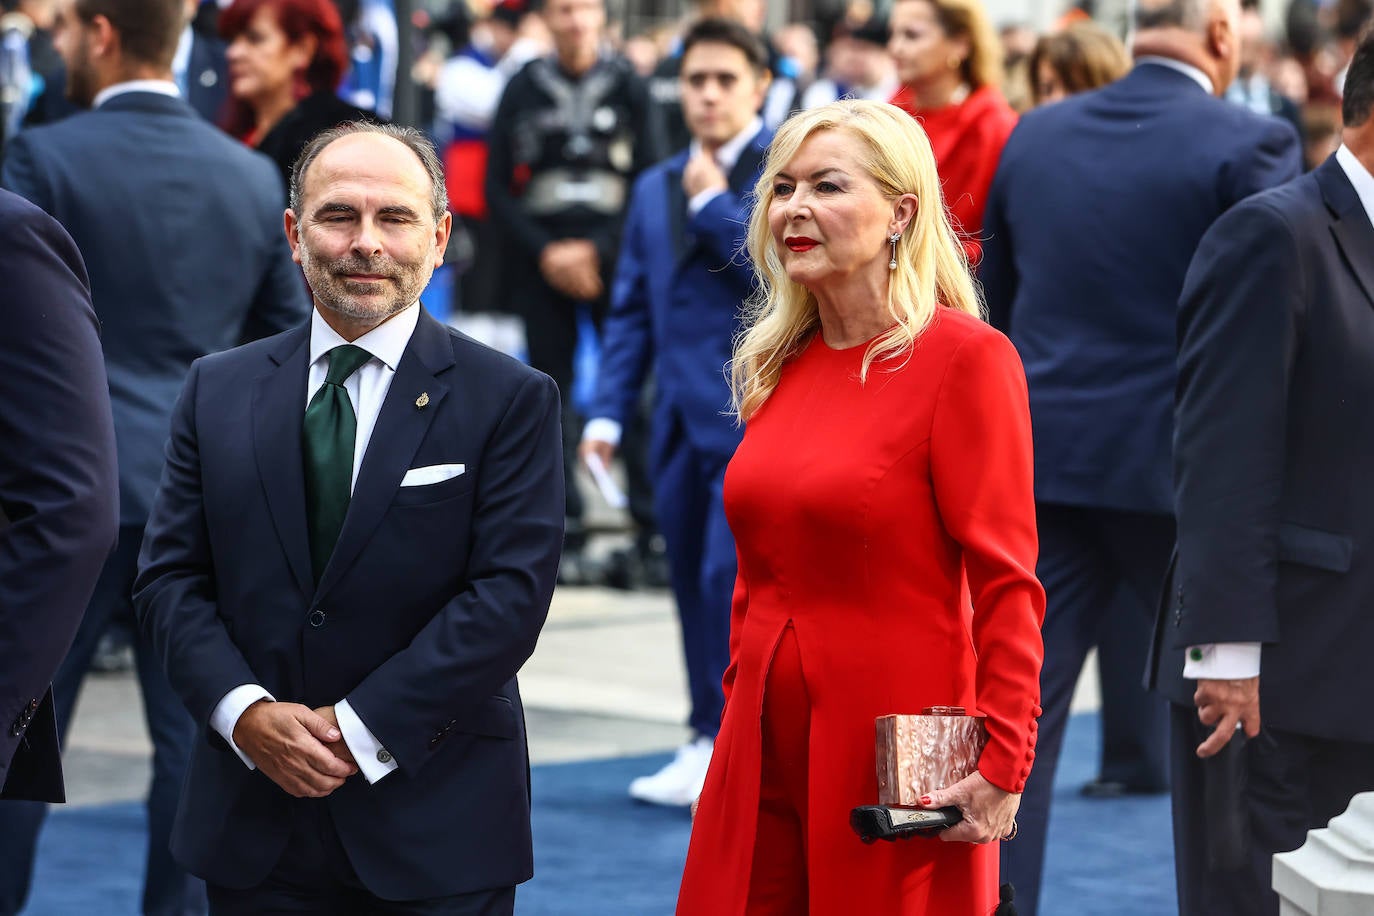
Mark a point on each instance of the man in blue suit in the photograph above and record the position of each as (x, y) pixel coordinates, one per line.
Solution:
(1093, 216)
(179, 227)
(58, 490)
(351, 554)
(199, 68)
(680, 284)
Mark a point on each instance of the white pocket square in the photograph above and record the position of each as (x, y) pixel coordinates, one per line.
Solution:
(434, 473)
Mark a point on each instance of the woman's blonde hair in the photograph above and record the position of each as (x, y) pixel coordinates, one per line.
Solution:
(931, 268)
(967, 19)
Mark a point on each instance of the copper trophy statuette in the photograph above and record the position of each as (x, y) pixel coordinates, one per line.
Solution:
(915, 756)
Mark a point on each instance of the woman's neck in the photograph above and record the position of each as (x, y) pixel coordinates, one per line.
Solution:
(945, 90)
(267, 112)
(854, 311)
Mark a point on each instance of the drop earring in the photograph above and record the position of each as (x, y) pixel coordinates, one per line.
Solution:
(893, 238)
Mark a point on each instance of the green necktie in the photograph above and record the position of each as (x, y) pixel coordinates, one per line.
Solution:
(329, 431)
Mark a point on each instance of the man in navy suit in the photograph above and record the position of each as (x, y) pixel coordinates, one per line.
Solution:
(179, 226)
(58, 489)
(200, 69)
(1093, 216)
(1268, 611)
(680, 284)
(351, 553)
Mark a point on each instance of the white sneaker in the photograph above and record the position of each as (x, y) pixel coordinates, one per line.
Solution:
(679, 783)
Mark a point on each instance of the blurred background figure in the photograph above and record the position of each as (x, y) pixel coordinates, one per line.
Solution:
(1018, 41)
(286, 59)
(797, 60)
(487, 53)
(1252, 87)
(199, 68)
(569, 137)
(857, 66)
(1075, 59)
(371, 35)
(949, 64)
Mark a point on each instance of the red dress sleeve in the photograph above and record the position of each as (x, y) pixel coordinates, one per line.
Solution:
(982, 470)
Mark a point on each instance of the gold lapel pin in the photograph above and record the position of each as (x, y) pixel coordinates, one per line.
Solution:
(422, 400)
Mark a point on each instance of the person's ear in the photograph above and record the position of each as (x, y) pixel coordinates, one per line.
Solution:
(903, 212)
(104, 38)
(293, 234)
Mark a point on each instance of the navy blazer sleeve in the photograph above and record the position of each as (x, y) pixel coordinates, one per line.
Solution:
(58, 485)
(1239, 323)
(997, 270)
(174, 595)
(480, 638)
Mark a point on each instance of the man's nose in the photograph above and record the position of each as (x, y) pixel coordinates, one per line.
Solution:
(368, 241)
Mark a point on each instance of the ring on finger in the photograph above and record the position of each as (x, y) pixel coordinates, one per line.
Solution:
(1014, 828)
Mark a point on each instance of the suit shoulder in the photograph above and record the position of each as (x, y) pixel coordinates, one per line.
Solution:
(490, 363)
(1286, 207)
(20, 216)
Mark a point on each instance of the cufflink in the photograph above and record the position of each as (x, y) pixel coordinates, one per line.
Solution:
(383, 756)
(1195, 654)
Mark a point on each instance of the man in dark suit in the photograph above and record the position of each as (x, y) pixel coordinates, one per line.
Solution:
(199, 67)
(679, 287)
(58, 491)
(351, 554)
(179, 227)
(1096, 208)
(1267, 625)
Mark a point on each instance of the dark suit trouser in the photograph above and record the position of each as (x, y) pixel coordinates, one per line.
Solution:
(314, 876)
(1294, 783)
(1100, 568)
(702, 564)
(551, 335)
(167, 888)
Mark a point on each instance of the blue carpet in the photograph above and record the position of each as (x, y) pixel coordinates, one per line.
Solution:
(598, 854)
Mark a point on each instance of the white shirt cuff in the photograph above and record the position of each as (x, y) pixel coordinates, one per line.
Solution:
(373, 759)
(701, 199)
(230, 708)
(1224, 661)
(602, 429)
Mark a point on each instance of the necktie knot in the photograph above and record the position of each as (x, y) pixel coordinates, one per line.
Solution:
(344, 360)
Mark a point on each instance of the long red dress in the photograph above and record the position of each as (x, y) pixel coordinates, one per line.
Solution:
(967, 139)
(874, 517)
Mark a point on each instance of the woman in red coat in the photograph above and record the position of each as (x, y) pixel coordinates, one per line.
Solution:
(949, 62)
(881, 494)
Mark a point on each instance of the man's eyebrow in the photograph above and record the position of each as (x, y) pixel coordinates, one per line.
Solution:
(398, 210)
(334, 207)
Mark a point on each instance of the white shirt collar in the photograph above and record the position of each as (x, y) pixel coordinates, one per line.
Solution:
(729, 153)
(181, 61)
(1359, 176)
(161, 87)
(386, 342)
(1188, 70)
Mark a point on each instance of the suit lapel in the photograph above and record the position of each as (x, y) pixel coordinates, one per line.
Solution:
(278, 409)
(400, 428)
(746, 170)
(1353, 232)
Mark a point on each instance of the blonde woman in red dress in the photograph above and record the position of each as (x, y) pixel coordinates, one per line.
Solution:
(882, 509)
(949, 62)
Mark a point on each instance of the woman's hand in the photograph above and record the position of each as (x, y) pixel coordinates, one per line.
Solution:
(989, 812)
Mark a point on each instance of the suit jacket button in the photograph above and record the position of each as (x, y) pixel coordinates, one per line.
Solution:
(383, 756)
(316, 618)
(33, 706)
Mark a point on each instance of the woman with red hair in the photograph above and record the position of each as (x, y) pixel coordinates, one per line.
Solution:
(286, 59)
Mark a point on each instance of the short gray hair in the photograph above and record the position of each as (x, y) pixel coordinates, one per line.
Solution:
(1165, 14)
(413, 139)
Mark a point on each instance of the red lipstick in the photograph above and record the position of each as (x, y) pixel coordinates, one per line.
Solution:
(800, 243)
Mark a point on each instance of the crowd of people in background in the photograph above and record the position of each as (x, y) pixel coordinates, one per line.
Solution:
(589, 168)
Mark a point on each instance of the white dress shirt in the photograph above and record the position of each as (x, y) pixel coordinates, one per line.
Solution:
(366, 389)
(604, 429)
(161, 87)
(1227, 661)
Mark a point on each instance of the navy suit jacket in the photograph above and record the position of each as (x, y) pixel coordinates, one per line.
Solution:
(680, 285)
(1097, 206)
(1274, 453)
(431, 602)
(58, 491)
(181, 230)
